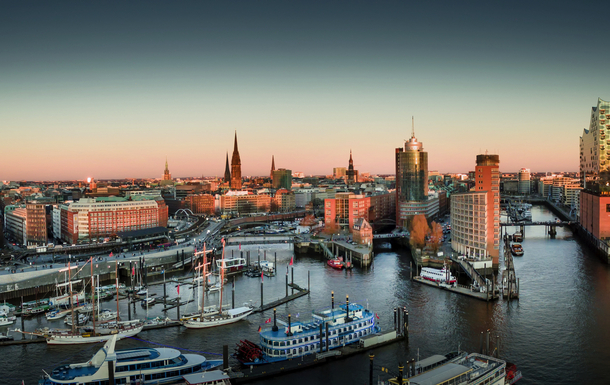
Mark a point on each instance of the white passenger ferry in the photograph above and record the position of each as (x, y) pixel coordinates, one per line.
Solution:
(438, 275)
(130, 366)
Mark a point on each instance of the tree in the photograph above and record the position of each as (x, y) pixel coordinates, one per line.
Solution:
(273, 206)
(436, 234)
(419, 230)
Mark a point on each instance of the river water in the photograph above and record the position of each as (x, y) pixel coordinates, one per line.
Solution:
(556, 333)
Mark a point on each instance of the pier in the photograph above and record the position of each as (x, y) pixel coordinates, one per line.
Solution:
(510, 282)
(300, 292)
(487, 295)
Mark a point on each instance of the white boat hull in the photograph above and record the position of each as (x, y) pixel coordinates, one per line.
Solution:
(210, 322)
(74, 340)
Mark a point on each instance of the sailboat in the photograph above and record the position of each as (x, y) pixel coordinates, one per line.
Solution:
(86, 335)
(221, 317)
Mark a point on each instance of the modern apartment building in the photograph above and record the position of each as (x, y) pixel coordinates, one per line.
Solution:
(475, 215)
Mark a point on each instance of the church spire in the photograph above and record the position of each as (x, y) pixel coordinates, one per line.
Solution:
(235, 167)
(166, 174)
(227, 170)
(272, 166)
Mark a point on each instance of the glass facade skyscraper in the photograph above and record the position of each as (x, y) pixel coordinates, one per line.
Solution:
(412, 172)
(412, 183)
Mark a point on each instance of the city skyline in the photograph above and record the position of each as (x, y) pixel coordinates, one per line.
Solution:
(110, 90)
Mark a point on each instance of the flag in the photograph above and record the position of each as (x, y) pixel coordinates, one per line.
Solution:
(376, 316)
(259, 329)
(239, 246)
(178, 289)
(133, 270)
(269, 320)
(111, 254)
(262, 279)
(291, 260)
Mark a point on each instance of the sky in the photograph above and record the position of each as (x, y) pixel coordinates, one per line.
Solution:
(110, 89)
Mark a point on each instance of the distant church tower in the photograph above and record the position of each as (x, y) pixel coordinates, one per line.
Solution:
(235, 167)
(350, 171)
(166, 174)
(272, 166)
(227, 178)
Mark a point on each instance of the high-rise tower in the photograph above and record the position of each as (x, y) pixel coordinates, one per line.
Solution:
(487, 178)
(227, 178)
(235, 167)
(411, 180)
(166, 174)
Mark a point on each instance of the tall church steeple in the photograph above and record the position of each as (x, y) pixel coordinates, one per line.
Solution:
(235, 167)
(272, 166)
(166, 174)
(227, 178)
(350, 170)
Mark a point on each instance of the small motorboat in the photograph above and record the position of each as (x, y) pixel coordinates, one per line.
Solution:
(516, 249)
(148, 301)
(335, 263)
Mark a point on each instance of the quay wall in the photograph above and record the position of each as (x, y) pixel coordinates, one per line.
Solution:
(40, 283)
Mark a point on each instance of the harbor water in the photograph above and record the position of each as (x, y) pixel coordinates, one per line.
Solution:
(556, 333)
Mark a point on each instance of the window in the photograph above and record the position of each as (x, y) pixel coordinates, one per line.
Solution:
(608, 208)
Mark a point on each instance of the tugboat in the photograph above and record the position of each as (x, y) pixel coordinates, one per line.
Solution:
(335, 263)
(516, 249)
(329, 329)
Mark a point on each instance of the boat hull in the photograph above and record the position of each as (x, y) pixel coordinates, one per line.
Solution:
(210, 323)
(76, 340)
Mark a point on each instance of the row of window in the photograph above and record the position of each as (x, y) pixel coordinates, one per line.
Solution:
(315, 337)
(316, 346)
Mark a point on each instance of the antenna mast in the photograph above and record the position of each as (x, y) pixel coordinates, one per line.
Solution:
(412, 126)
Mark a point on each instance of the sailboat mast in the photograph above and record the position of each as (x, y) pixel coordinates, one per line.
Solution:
(222, 275)
(71, 298)
(203, 283)
(116, 275)
(92, 294)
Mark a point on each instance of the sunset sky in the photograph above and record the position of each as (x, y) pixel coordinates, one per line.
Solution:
(109, 89)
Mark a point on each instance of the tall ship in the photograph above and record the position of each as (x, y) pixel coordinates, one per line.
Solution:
(328, 329)
(220, 317)
(130, 366)
(438, 275)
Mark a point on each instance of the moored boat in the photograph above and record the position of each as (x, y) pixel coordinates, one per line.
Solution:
(138, 365)
(221, 317)
(459, 368)
(4, 320)
(232, 266)
(328, 329)
(438, 275)
(86, 335)
(335, 263)
(516, 249)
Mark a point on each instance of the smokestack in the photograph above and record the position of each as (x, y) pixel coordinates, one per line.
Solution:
(274, 328)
